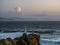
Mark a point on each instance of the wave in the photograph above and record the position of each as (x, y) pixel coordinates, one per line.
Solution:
(18, 34)
(7, 35)
(11, 35)
(52, 40)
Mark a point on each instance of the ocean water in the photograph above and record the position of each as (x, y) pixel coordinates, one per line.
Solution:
(49, 31)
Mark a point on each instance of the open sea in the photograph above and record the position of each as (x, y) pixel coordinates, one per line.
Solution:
(49, 31)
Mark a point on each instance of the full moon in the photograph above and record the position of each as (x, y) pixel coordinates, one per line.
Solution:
(18, 9)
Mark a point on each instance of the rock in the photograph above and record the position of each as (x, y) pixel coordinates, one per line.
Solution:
(37, 37)
(30, 39)
(5, 42)
(10, 40)
(1, 43)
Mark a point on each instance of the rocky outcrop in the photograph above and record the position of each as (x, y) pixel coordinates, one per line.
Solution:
(31, 39)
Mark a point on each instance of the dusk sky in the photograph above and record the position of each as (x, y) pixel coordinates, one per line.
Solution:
(40, 9)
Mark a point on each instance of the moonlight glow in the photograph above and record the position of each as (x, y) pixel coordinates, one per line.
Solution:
(18, 9)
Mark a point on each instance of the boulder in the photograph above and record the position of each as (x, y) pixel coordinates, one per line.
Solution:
(30, 39)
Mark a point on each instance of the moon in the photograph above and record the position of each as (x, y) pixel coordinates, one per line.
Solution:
(18, 9)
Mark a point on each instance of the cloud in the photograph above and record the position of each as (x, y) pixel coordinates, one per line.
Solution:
(43, 17)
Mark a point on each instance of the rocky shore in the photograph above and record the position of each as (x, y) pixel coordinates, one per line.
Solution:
(25, 39)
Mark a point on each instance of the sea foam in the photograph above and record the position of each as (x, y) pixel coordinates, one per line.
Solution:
(18, 34)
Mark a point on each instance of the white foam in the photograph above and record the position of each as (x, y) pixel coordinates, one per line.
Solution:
(53, 40)
(18, 34)
(7, 35)
(11, 35)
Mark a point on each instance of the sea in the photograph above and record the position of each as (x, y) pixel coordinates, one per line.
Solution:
(49, 31)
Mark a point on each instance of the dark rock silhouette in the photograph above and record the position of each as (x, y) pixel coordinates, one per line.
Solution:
(30, 39)
(37, 37)
(5, 42)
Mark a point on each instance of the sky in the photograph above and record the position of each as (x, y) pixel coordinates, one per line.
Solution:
(40, 9)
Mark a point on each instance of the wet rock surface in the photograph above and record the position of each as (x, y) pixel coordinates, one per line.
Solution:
(30, 39)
